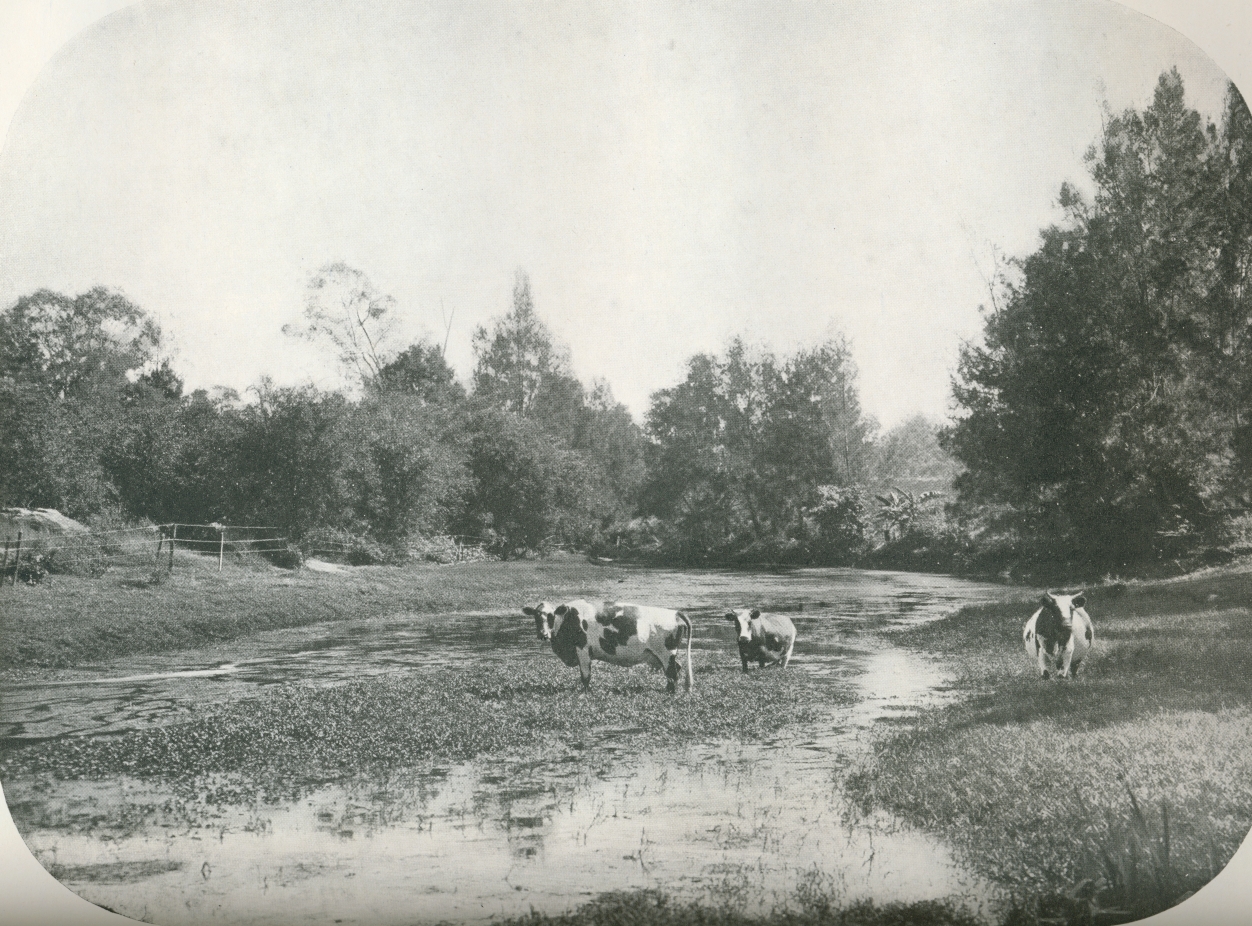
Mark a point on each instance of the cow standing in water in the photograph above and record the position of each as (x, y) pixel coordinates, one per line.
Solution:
(763, 639)
(618, 633)
(1059, 635)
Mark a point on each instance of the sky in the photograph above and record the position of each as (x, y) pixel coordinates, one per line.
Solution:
(669, 174)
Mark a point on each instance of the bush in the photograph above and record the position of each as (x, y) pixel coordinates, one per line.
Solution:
(289, 557)
(354, 549)
(443, 549)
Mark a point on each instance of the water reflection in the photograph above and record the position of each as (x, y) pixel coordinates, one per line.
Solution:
(499, 837)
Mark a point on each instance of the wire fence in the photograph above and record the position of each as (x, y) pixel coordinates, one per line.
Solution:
(30, 554)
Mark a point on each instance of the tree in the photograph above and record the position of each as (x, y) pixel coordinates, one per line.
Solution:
(420, 370)
(76, 346)
(410, 473)
(530, 492)
(344, 309)
(1093, 412)
(740, 449)
(910, 455)
(68, 366)
(290, 461)
(518, 358)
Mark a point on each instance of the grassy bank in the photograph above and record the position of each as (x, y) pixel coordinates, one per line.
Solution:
(1130, 786)
(71, 621)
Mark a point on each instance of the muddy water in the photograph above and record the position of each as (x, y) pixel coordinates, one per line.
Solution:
(744, 823)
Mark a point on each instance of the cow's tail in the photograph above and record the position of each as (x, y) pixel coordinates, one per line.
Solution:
(687, 623)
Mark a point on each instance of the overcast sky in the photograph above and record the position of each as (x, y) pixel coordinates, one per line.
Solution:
(669, 174)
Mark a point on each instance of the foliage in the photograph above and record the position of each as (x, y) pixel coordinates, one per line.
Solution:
(410, 471)
(1103, 412)
(68, 369)
(346, 311)
(421, 370)
(518, 361)
(529, 491)
(900, 510)
(838, 524)
(740, 449)
(76, 346)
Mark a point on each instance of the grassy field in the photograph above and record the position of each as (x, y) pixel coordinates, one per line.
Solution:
(70, 621)
(1128, 787)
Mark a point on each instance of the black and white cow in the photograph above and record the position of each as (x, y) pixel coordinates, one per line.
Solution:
(763, 639)
(1059, 635)
(618, 633)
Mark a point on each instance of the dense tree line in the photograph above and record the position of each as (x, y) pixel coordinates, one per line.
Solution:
(1105, 415)
(751, 457)
(93, 424)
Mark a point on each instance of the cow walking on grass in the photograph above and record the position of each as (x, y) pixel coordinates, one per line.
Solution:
(617, 633)
(1059, 635)
(763, 639)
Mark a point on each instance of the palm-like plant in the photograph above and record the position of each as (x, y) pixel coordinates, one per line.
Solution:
(901, 509)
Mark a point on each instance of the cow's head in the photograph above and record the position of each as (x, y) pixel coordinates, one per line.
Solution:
(742, 620)
(545, 618)
(1062, 606)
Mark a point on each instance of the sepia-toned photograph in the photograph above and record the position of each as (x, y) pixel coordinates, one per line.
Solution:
(591, 463)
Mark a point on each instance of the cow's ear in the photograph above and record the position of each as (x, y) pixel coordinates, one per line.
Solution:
(530, 612)
(755, 614)
(1079, 600)
(1045, 598)
(731, 616)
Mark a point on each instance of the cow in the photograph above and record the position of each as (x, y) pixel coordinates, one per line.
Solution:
(614, 632)
(763, 639)
(1059, 635)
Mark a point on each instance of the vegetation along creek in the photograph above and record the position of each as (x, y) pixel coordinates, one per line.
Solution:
(446, 765)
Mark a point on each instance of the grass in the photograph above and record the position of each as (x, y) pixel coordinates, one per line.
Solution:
(652, 908)
(1124, 789)
(70, 621)
(299, 736)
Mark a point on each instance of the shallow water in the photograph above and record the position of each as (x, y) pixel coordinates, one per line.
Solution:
(724, 822)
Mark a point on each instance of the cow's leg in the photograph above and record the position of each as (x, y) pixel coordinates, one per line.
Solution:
(1073, 668)
(1067, 656)
(667, 662)
(787, 655)
(1041, 653)
(584, 666)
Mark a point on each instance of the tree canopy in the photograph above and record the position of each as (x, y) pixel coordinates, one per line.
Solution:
(1103, 413)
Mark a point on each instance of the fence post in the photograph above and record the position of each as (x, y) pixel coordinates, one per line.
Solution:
(5, 568)
(160, 540)
(173, 537)
(17, 558)
(221, 547)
